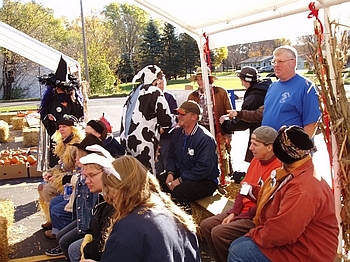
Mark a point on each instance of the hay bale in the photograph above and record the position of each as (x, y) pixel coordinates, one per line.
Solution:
(17, 123)
(7, 117)
(7, 211)
(4, 242)
(30, 136)
(4, 131)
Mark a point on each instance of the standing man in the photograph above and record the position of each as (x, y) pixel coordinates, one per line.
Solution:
(192, 163)
(293, 99)
(253, 98)
(222, 104)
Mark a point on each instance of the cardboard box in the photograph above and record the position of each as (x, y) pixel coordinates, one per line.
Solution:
(33, 172)
(13, 171)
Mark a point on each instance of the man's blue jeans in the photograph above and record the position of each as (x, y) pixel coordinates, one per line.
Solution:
(243, 249)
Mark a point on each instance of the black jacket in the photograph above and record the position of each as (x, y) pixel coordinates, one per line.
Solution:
(253, 99)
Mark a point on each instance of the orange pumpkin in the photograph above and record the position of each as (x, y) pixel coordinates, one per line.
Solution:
(14, 160)
(31, 159)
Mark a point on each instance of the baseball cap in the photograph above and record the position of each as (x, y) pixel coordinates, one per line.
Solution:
(265, 134)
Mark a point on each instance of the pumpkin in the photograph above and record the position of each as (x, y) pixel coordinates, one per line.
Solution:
(31, 159)
(14, 160)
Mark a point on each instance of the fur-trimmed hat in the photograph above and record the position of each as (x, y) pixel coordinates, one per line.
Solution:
(292, 144)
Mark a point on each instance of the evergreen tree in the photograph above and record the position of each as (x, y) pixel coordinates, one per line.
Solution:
(189, 54)
(151, 47)
(170, 62)
(125, 68)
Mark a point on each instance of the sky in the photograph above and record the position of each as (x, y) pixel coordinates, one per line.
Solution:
(71, 8)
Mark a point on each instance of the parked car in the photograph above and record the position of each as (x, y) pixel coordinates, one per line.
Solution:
(265, 69)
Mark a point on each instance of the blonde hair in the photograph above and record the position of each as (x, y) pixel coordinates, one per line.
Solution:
(137, 188)
(65, 152)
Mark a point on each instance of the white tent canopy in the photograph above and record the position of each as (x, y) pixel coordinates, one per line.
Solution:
(32, 49)
(228, 22)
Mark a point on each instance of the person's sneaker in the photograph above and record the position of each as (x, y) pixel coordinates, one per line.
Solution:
(47, 226)
(56, 251)
(48, 234)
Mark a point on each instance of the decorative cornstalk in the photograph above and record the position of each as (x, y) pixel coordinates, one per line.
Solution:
(336, 112)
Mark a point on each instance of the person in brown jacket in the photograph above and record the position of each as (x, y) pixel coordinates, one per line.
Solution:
(221, 103)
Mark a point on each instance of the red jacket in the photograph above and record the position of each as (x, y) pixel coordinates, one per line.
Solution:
(298, 223)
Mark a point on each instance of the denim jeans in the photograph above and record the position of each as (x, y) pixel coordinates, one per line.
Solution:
(59, 217)
(67, 236)
(74, 251)
(243, 249)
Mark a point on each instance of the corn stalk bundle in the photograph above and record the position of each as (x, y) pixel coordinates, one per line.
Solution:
(336, 112)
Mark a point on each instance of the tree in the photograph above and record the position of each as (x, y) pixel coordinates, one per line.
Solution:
(220, 54)
(151, 47)
(128, 22)
(170, 62)
(37, 22)
(189, 54)
(125, 69)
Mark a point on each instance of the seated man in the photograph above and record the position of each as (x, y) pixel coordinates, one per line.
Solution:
(192, 163)
(220, 230)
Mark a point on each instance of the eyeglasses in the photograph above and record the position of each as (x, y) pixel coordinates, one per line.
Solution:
(84, 176)
(275, 62)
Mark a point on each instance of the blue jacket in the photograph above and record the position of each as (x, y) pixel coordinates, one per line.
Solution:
(83, 205)
(193, 157)
(151, 235)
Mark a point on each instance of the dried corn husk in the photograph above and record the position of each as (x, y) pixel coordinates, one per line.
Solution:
(336, 108)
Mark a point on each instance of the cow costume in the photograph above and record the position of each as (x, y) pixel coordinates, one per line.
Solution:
(144, 113)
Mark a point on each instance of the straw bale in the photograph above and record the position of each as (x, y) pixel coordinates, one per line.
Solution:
(232, 190)
(18, 122)
(7, 117)
(4, 131)
(30, 136)
(7, 211)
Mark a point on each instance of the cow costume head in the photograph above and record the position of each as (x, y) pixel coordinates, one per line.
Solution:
(148, 74)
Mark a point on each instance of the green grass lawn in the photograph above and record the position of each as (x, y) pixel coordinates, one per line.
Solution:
(228, 82)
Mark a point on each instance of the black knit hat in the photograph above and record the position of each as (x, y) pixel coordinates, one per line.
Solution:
(292, 144)
(96, 126)
(89, 140)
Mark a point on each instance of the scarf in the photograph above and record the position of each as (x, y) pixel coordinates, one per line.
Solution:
(277, 179)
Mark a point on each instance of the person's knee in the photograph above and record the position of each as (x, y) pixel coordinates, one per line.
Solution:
(207, 225)
(217, 233)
